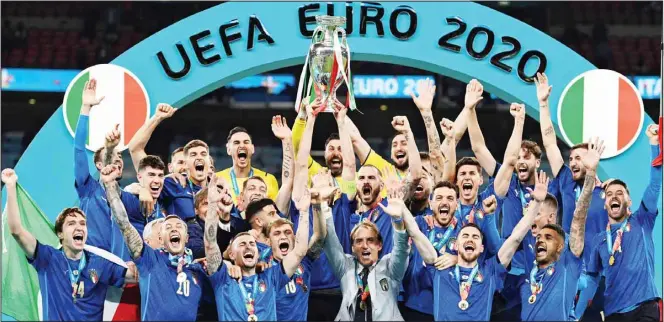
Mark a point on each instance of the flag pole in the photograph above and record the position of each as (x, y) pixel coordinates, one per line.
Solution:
(658, 160)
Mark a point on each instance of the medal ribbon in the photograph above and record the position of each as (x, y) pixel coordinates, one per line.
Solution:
(524, 202)
(266, 254)
(536, 286)
(464, 287)
(618, 241)
(74, 278)
(236, 188)
(471, 213)
(248, 300)
(432, 235)
(372, 214)
(176, 260)
(363, 288)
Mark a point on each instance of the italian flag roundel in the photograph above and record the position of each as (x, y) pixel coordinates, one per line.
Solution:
(601, 103)
(125, 102)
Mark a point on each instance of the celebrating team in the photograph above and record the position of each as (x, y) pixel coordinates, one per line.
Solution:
(335, 240)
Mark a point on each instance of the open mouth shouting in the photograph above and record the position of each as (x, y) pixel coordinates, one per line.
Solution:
(469, 247)
(444, 210)
(78, 238)
(284, 247)
(155, 189)
(522, 170)
(365, 255)
(400, 156)
(175, 240)
(366, 189)
(467, 187)
(540, 250)
(242, 154)
(335, 163)
(576, 171)
(199, 166)
(615, 205)
(249, 256)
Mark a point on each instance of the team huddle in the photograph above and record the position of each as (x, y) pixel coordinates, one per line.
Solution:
(411, 238)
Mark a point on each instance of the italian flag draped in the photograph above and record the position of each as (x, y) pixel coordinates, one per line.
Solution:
(124, 103)
(21, 294)
(603, 104)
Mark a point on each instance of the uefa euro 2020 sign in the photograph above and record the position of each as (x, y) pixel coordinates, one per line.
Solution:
(461, 40)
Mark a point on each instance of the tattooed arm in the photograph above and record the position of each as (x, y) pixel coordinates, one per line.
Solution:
(349, 167)
(212, 251)
(282, 132)
(317, 239)
(131, 236)
(449, 149)
(578, 228)
(401, 125)
(546, 126)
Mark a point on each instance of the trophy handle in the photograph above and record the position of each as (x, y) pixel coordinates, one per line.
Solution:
(343, 35)
(318, 35)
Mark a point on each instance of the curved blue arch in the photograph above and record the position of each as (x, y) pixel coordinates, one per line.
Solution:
(52, 185)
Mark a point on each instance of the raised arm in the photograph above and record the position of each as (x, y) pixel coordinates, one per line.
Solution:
(321, 191)
(474, 90)
(293, 259)
(334, 252)
(360, 145)
(653, 195)
(448, 148)
(88, 99)
(217, 200)
(546, 126)
(140, 140)
(506, 252)
(301, 170)
(133, 240)
(283, 133)
(426, 90)
(422, 243)
(349, 166)
(518, 111)
(110, 142)
(399, 255)
(578, 229)
(23, 237)
(401, 125)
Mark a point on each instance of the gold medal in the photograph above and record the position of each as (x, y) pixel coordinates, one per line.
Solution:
(611, 260)
(363, 305)
(252, 317)
(532, 299)
(463, 305)
(181, 277)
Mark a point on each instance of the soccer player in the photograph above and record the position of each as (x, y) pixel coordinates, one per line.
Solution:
(442, 234)
(339, 157)
(169, 280)
(229, 225)
(404, 151)
(240, 148)
(550, 288)
(570, 179)
(465, 291)
(177, 164)
(103, 232)
(625, 251)
(253, 297)
(73, 281)
(152, 233)
(370, 286)
(146, 207)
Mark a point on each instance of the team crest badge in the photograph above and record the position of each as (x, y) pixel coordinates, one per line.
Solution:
(479, 278)
(383, 285)
(93, 275)
(480, 215)
(262, 286)
(300, 270)
(550, 271)
(439, 235)
(452, 244)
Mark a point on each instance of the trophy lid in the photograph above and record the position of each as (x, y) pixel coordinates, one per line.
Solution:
(330, 20)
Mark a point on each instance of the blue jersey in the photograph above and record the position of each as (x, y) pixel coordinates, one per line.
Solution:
(179, 200)
(630, 280)
(103, 232)
(382, 220)
(417, 282)
(528, 246)
(133, 207)
(293, 299)
(164, 295)
(486, 222)
(597, 219)
(447, 297)
(559, 284)
(516, 200)
(58, 303)
(230, 300)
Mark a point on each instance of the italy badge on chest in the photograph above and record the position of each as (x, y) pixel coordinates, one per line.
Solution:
(93, 275)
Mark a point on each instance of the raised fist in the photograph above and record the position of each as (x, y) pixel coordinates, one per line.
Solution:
(489, 204)
(164, 111)
(474, 91)
(9, 176)
(400, 124)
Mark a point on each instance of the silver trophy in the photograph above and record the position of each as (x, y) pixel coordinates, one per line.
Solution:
(328, 63)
